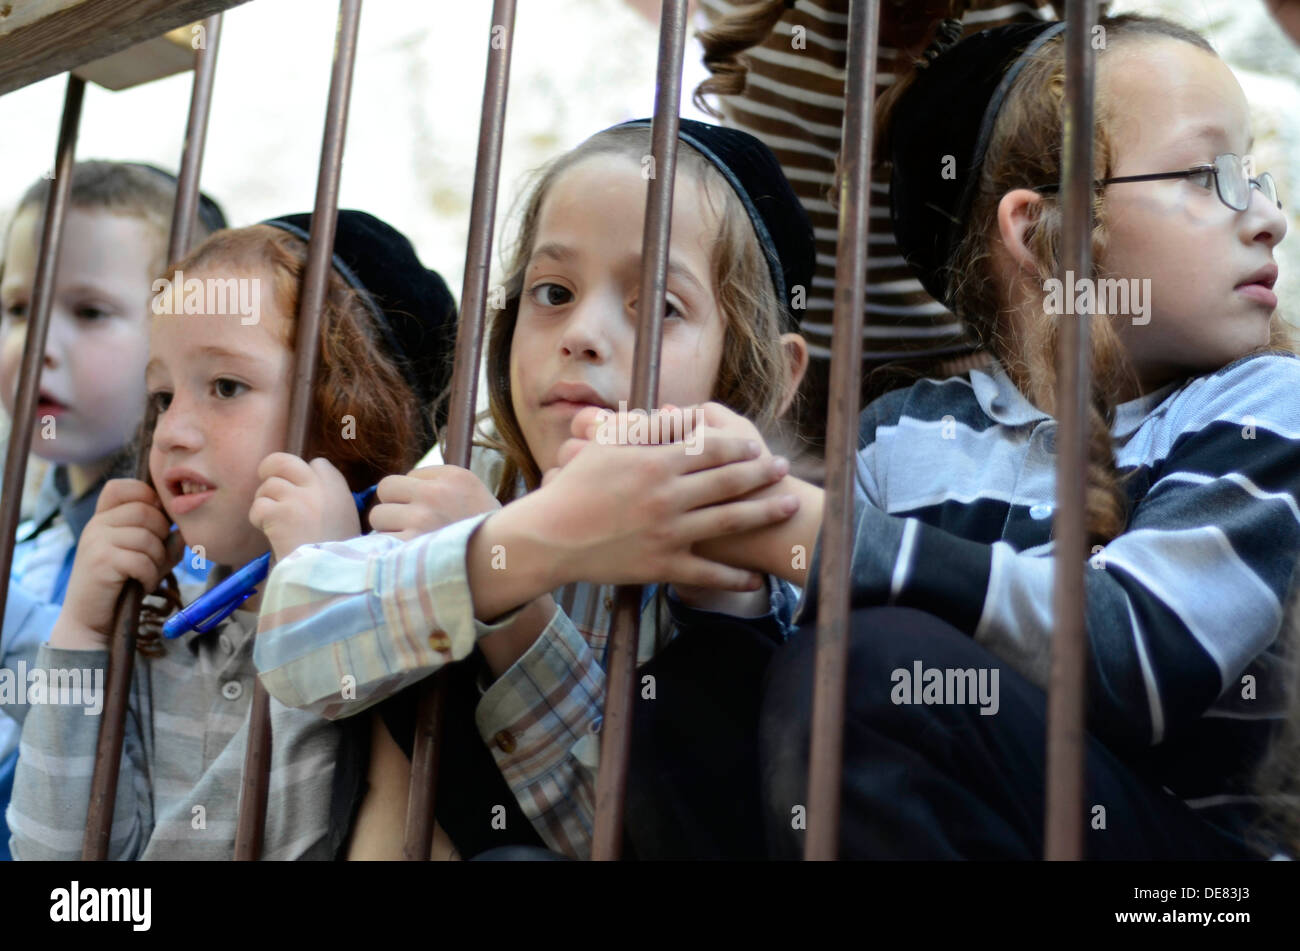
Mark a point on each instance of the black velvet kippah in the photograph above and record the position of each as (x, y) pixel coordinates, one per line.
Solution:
(944, 121)
(413, 309)
(779, 219)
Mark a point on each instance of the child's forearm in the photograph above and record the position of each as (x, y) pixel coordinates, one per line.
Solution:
(502, 648)
(507, 564)
(784, 549)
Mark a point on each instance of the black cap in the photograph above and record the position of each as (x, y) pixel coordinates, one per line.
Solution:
(779, 219)
(413, 309)
(949, 111)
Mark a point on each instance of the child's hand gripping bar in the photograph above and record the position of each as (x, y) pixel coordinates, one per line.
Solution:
(213, 607)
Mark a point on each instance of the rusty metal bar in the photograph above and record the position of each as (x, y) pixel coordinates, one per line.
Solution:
(38, 326)
(320, 249)
(1064, 832)
(464, 390)
(121, 660)
(196, 134)
(620, 664)
(826, 755)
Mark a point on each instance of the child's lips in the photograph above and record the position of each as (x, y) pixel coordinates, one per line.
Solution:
(187, 491)
(47, 405)
(1259, 292)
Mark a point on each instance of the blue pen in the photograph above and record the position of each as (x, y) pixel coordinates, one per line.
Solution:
(213, 607)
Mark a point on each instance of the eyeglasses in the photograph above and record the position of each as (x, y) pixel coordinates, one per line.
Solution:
(1230, 178)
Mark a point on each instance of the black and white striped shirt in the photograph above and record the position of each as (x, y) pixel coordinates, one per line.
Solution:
(955, 492)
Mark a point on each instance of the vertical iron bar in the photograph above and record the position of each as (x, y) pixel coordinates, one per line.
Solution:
(196, 134)
(620, 683)
(464, 390)
(38, 326)
(1063, 836)
(320, 249)
(826, 755)
(121, 661)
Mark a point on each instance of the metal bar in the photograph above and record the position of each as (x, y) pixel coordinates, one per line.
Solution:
(38, 326)
(121, 662)
(257, 757)
(1064, 832)
(464, 390)
(620, 684)
(826, 755)
(196, 134)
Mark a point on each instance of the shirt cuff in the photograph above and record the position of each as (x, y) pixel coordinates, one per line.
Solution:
(544, 705)
(775, 624)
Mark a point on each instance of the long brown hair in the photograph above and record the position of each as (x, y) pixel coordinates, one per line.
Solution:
(754, 370)
(356, 377)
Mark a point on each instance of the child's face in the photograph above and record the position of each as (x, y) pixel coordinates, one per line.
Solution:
(222, 390)
(1182, 107)
(573, 343)
(92, 381)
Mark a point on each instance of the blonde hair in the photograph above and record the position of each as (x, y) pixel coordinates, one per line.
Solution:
(752, 378)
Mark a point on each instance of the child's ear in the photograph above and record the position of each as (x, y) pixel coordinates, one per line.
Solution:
(1018, 211)
(796, 360)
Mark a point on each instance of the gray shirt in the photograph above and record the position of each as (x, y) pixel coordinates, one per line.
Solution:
(183, 756)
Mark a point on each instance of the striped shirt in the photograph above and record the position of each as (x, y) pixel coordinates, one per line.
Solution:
(956, 487)
(348, 624)
(794, 103)
(182, 759)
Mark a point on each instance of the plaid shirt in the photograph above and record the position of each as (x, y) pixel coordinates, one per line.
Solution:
(346, 625)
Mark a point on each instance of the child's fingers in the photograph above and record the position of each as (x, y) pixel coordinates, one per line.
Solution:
(713, 452)
(730, 481)
(587, 420)
(132, 540)
(388, 517)
(735, 517)
(568, 449)
(276, 489)
(398, 488)
(285, 465)
(118, 492)
(331, 479)
(136, 514)
(142, 568)
(700, 572)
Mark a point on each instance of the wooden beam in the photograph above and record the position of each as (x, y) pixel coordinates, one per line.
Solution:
(42, 38)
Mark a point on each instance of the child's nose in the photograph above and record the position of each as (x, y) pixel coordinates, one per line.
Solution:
(176, 427)
(586, 334)
(1264, 221)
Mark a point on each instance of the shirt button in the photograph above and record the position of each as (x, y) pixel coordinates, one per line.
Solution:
(505, 741)
(226, 644)
(609, 603)
(1040, 512)
(232, 690)
(595, 726)
(439, 641)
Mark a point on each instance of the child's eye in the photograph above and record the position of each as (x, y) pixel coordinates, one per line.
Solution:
(551, 295)
(226, 388)
(1204, 178)
(671, 308)
(160, 401)
(91, 312)
(15, 311)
